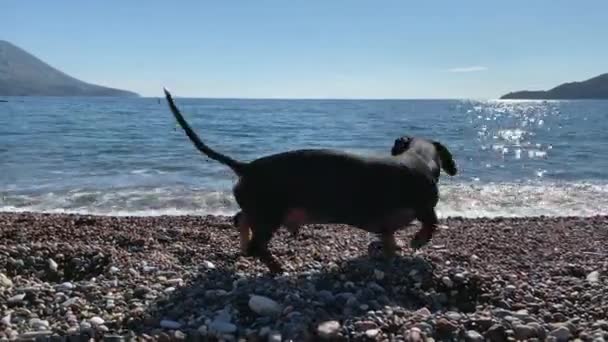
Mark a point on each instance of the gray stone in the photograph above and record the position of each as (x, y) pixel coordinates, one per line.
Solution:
(222, 327)
(264, 306)
(561, 334)
(496, 333)
(16, 299)
(473, 336)
(169, 324)
(523, 332)
(35, 334)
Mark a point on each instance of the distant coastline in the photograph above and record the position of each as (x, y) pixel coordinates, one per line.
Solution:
(595, 88)
(22, 74)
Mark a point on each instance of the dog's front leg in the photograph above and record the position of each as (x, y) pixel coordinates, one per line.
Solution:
(389, 245)
(429, 221)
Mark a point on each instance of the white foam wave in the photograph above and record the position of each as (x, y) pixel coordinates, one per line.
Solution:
(466, 200)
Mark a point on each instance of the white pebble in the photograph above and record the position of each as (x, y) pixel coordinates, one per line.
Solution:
(372, 333)
(5, 281)
(16, 298)
(6, 320)
(209, 264)
(38, 324)
(169, 324)
(66, 286)
(593, 277)
(447, 281)
(176, 281)
(275, 336)
(264, 306)
(96, 320)
(328, 329)
(53, 265)
(114, 269)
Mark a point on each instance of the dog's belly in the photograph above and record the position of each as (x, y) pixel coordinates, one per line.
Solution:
(393, 221)
(390, 222)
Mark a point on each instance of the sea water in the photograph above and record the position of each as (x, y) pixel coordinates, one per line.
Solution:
(127, 156)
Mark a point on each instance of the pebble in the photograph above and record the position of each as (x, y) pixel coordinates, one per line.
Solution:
(53, 265)
(6, 320)
(414, 335)
(35, 334)
(16, 299)
(473, 336)
(5, 281)
(39, 324)
(274, 336)
(561, 334)
(424, 312)
(379, 275)
(372, 333)
(175, 281)
(523, 332)
(222, 327)
(447, 282)
(169, 324)
(593, 277)
(328, 329)
(65, 286)
(209, 265)
(264, 306)
(496, 333)
(96, 320)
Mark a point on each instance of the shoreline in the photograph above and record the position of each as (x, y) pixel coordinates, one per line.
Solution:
(181, 277)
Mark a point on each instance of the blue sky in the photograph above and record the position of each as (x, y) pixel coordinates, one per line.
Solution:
(316, 49)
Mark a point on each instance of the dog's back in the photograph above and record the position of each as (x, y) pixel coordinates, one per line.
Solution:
(354, 188)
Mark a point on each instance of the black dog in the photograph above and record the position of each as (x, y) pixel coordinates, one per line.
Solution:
(379, 195)
(434, 154)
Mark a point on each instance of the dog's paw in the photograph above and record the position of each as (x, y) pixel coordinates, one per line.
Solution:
(275, 268)
(419, 241)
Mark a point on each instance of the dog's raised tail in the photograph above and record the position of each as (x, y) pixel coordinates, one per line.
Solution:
(236, 166)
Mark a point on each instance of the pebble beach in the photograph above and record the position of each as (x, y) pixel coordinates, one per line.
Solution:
(77, 277)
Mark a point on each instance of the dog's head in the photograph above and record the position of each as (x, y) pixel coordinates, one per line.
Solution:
(428, 150)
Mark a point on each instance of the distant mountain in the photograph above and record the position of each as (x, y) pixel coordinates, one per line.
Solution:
(593, 88)
(22, 74)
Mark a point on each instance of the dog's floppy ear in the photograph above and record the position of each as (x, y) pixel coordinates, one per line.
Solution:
(447, 162)
(400, 145)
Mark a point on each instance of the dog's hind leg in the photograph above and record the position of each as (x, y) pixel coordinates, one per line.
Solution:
(428, 218)
(258, 245)
(241, 222)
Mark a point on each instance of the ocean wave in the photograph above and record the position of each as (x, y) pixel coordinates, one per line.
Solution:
(460, 199)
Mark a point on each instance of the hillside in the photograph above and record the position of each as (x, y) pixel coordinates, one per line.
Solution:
(593, 88)
(22, 74)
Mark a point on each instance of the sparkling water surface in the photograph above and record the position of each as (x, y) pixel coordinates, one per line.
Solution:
(128, 156)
